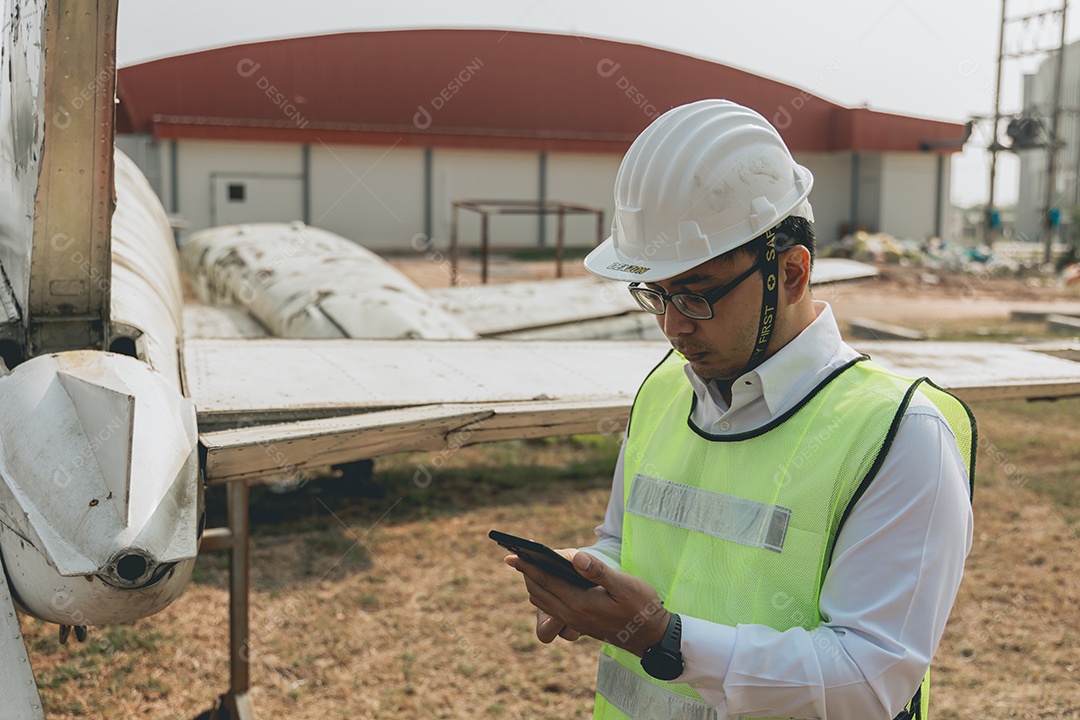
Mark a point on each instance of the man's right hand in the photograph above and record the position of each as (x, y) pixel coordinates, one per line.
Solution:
(548, 628)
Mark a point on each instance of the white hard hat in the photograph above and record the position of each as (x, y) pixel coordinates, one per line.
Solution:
(701, 180)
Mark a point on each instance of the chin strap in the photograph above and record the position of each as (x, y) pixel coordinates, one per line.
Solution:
(770, 273)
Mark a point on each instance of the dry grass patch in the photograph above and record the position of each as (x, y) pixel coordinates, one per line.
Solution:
(396, 605)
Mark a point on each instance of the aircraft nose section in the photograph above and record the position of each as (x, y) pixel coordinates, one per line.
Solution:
(99, 487)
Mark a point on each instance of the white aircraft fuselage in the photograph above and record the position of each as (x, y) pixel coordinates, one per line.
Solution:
(100, 492)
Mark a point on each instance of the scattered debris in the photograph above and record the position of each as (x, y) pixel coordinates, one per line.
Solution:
(1005, 259)
(1063, 323)
(874, 330)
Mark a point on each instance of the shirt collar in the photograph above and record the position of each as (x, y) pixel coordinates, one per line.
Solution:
(786, 372)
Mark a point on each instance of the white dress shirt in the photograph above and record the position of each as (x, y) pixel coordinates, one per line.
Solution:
(895, 570)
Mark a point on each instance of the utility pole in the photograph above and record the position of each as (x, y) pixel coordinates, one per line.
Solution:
(995, 146)
(1024, 127)
(1050, 227)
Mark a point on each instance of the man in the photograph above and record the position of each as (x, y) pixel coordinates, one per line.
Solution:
(788, 522)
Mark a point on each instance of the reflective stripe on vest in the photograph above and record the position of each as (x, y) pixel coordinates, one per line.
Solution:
(740, 529)
(624, 689)
(726, 517)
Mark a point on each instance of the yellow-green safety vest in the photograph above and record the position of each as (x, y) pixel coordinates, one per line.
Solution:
(740, 529)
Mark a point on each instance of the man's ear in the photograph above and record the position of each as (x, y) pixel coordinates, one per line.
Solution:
(795, 273)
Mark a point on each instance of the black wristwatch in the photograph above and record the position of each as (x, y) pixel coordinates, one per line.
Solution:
(664, 660)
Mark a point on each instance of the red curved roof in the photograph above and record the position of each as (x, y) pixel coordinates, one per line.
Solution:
(475, 88)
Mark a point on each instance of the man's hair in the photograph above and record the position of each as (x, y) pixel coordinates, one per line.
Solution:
(790, 232)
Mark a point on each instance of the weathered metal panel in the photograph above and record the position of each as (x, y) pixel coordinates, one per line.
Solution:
(629, 326)
(17, 685)
(303, 282)
(267, 380)
(507, 307)
(145, 283)
(68, 299)
(978, 371)
(503, 390)
(221, 321)
(22, 131)
(233, 380)
(274, 451)
(534, 310)
(281, 450)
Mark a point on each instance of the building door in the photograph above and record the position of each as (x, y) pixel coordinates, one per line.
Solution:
(247, 198)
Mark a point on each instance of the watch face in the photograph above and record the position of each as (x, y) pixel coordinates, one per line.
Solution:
(662, 664)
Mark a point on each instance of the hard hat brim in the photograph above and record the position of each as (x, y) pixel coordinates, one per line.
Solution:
(606, 262)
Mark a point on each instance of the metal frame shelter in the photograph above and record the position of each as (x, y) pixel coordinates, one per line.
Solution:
(486, 208)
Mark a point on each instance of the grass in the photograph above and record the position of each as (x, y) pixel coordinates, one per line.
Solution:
(388, 601)
(1032, 445)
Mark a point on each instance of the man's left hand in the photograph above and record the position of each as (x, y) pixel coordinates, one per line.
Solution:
(623, 610)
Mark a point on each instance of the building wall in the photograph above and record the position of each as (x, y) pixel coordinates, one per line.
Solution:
(908, 194)
(270, 173)
(373, 195)
(831, 195)
(376, 195)
(586, 179)
(484, 175)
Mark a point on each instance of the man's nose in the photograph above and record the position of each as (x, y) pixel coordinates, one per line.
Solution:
(673, 323)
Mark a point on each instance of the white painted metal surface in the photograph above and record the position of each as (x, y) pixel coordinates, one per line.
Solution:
(519, 390)
(294, 380)
(22, 132)
(303, 282)
(146, 292)
(98, 487)
(17, 685)
(220, 321)
(630, 326)
(535, 310)
(977, 371)
(291, 379)
(508, 307)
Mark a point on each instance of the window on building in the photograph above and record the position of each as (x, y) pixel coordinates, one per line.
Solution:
(236, 192)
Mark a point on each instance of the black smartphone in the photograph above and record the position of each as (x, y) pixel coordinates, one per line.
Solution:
(541, 556)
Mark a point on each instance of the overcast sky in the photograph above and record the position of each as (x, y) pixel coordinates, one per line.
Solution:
(931, 58)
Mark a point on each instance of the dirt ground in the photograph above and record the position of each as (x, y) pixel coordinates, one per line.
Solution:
(392, 603)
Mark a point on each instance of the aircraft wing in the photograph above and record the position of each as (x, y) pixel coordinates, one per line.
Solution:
(579, 308)
(272, 407)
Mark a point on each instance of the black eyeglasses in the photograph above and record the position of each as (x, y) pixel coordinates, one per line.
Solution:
(693, 305)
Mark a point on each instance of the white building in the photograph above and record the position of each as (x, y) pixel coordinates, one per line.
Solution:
(373, 135)
(1031, 204)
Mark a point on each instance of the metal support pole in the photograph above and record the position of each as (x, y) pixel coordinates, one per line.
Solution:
(541, 237)
(560, 240)
(854, 193)
(483, 248)
(237, 702)
(429, 195)
(453, 244)
(305, 183)
(1052, 147)
(599, 227)
(939, 194)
